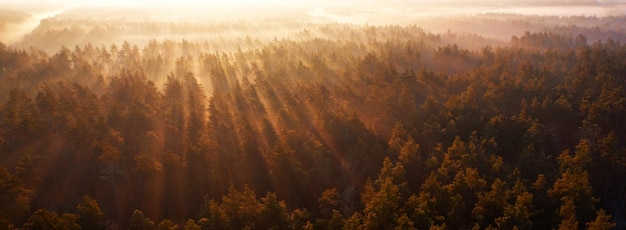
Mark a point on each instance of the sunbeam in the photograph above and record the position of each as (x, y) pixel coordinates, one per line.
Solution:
(268, 114)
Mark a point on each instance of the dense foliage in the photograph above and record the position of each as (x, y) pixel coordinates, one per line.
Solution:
(365, 127)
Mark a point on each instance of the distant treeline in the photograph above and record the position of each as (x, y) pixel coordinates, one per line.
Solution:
(226, 31)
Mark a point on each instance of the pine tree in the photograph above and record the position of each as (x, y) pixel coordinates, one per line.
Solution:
(602, 222)
(89, 214)
(140, 222)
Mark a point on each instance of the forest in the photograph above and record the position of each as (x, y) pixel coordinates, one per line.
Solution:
(309, 124)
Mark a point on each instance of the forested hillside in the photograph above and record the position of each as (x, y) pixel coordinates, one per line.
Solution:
(338, 126)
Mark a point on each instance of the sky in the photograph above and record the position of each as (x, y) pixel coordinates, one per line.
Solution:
(315, 2)
(401, 4)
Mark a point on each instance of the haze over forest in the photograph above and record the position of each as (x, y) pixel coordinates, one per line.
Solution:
(243, 114)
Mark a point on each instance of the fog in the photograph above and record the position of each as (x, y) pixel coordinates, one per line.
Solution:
(37, 22)
(169, 107)
(246, 25)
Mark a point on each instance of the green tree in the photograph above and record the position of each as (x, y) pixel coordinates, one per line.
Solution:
(214, 214)
(398, 137)
(330, 217)
(573, 187)
(404, 223)
(568, 215)
(14, 196)
(191, 225)
(421, 209)
(328, 201)
(89, 214)
(42, 219)
(299, 219)
(354, 222)
(19, 123)
(491, 204)
(167, 225)
(382, 198)
(174, 114)
(45, 219)
(241, 208)
(138, 221)
(602, 222)
(272, 213)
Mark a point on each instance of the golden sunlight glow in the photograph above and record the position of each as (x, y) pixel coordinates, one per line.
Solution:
(364, 114)
(158, 3)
